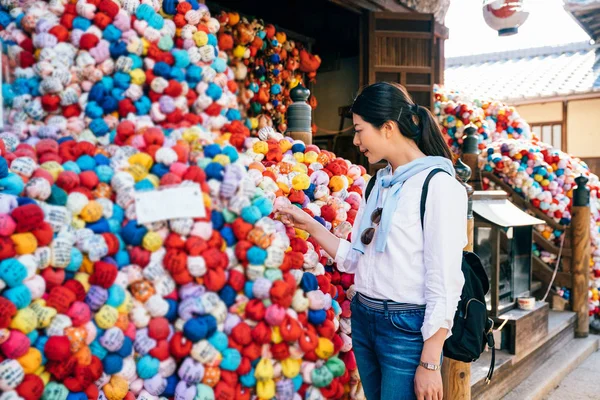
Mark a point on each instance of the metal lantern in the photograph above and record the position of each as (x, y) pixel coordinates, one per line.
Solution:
(504, 16)
(502, 239)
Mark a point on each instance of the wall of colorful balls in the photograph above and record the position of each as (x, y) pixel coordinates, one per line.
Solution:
(541, 174)
(105, 99)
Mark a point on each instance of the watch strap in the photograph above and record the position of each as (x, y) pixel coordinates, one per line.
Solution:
(429, 366)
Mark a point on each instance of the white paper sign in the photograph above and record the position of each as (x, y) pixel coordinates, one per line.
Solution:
(169, 203)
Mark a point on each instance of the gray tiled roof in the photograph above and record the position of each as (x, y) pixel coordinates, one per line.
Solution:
(527, 74)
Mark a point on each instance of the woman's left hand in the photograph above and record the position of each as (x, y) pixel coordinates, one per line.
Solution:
(428, 384)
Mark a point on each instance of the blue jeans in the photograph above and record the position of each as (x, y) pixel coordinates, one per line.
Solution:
(387, 345)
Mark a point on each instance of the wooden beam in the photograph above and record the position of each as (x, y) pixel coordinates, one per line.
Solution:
(407, 35)
(347, 5)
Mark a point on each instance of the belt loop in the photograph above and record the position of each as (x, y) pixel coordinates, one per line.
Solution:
(385, 308)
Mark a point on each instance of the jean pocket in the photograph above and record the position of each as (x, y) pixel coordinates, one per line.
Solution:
(409, 322)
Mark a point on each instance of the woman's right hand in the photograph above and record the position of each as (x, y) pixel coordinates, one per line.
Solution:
(294, 216)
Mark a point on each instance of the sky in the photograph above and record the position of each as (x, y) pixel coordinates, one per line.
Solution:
(548, 25)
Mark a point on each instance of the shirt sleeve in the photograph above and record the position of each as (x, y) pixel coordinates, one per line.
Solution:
(346, 257)
(444, 238)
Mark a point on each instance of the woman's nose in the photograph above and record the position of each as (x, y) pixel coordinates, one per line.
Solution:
(355, 140)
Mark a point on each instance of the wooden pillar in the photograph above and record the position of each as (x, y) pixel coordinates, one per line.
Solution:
(299, 115)
(456, 375)
(470, 155)
(580, 272)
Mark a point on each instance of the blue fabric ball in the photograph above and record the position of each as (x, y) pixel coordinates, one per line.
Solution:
(86, 163)
(81, 23)
(97, 93)
(317, 317)
(20, 296)
(117, 49)
(97, 349)
(22, 201)
(195, 329)
(182, 58)
(72, 166)
(77, 396)
(228, 295)
(251, 214)
(256, 255)
(217, 219)
(214, 91)
(118, 94)
(100, 226)
(193, 75)
(248, 285)
(248, 380)
(211, 150)
(178, 74)
(101, 159)
(116, 296)
(144, 184)
(231, 152)
(219, 65)
(162, 69)
(147, 367)
(169, 7)
(169, 390)
(143, 105)
(219, 341)
(76, 260)
(298, 148)
(12, 272)
(110, 105)
(127, 347)
(233, 115)
(264, 205)
(58, 196)
(122, 258)
(122, 80)
(111, 33)
(12, 184)
(159, 169)
(112, 363)
(228, 236)
(133, 234)
(93, 110)
(104, 173)
(309, 282)
(214, 171)
(231, 359)
(99, 127)
(118, 213)
(172, 313)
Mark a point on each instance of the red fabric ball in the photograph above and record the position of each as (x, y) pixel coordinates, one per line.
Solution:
(215, 279)
(179, 346)
(67, 181)
(244, 367)
(53, 277)
(57, 348)
(241, 333)
(158, 328)
(61, 32)
(77, 288)
(61, 299)
(7, 311)
(328, 213)
(31, 388)
(223, 391)
(7, 248)
(42, 173)
(44, 234)
(88, 41)
(299, 245)
(290, 329)
(195, 246)
(175, 261)
(236, 280)
(104, 274)
(161, 350)
(109, 7)
(241, 228)
(26, 59)
(261, 333)
(89, 179)
(112, 242)
(139, 256)
(50, 102)
(28, 217)
(252, 351)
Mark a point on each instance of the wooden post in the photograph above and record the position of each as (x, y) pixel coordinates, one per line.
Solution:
(580, 268)
(470, 155)
(299, 115)
(456, 375)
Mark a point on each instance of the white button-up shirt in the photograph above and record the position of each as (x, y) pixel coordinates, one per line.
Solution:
(418, 266)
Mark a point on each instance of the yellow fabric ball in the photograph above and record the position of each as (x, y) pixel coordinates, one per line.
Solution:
(260, 147)
(222, 159)
(53, 168)
(116, 388)
(106, 317)
(300, 168)
(31, 361)
(138, 172)
(265, 389)
(25, 320)
(299, 157)
(143, 159)
(324, 349)
(337, 183)
(301, 182)
(291, 367)
(276, 335)
(25, 243)
(239, 51)
(310, 157)
(285, 145)
(264, 370)
(152, 241)
(200, 38)
(92, 212)
(138, 77)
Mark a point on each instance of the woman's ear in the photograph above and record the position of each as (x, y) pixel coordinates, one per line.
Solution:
(388, 129)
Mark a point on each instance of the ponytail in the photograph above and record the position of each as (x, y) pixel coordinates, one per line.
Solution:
(431, 141)
(382, 102)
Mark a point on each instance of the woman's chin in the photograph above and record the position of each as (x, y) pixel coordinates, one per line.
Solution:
(371, 158)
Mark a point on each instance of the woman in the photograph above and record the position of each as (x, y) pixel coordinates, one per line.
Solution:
(408, 277)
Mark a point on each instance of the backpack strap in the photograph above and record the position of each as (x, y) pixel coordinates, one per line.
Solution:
(370, 186)
(424, 192)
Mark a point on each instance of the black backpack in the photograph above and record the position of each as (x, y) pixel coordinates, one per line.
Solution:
(472, 329)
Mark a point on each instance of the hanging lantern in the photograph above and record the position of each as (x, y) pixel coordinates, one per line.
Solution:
(505, 16)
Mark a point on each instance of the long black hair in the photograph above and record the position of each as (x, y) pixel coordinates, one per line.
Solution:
(383, 101)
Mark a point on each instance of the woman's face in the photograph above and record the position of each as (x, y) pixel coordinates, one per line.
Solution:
(369, 140)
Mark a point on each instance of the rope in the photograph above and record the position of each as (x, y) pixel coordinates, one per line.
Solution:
(319, 129)
(562, 242)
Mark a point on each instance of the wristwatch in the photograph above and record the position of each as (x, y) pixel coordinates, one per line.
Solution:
(429, 366)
